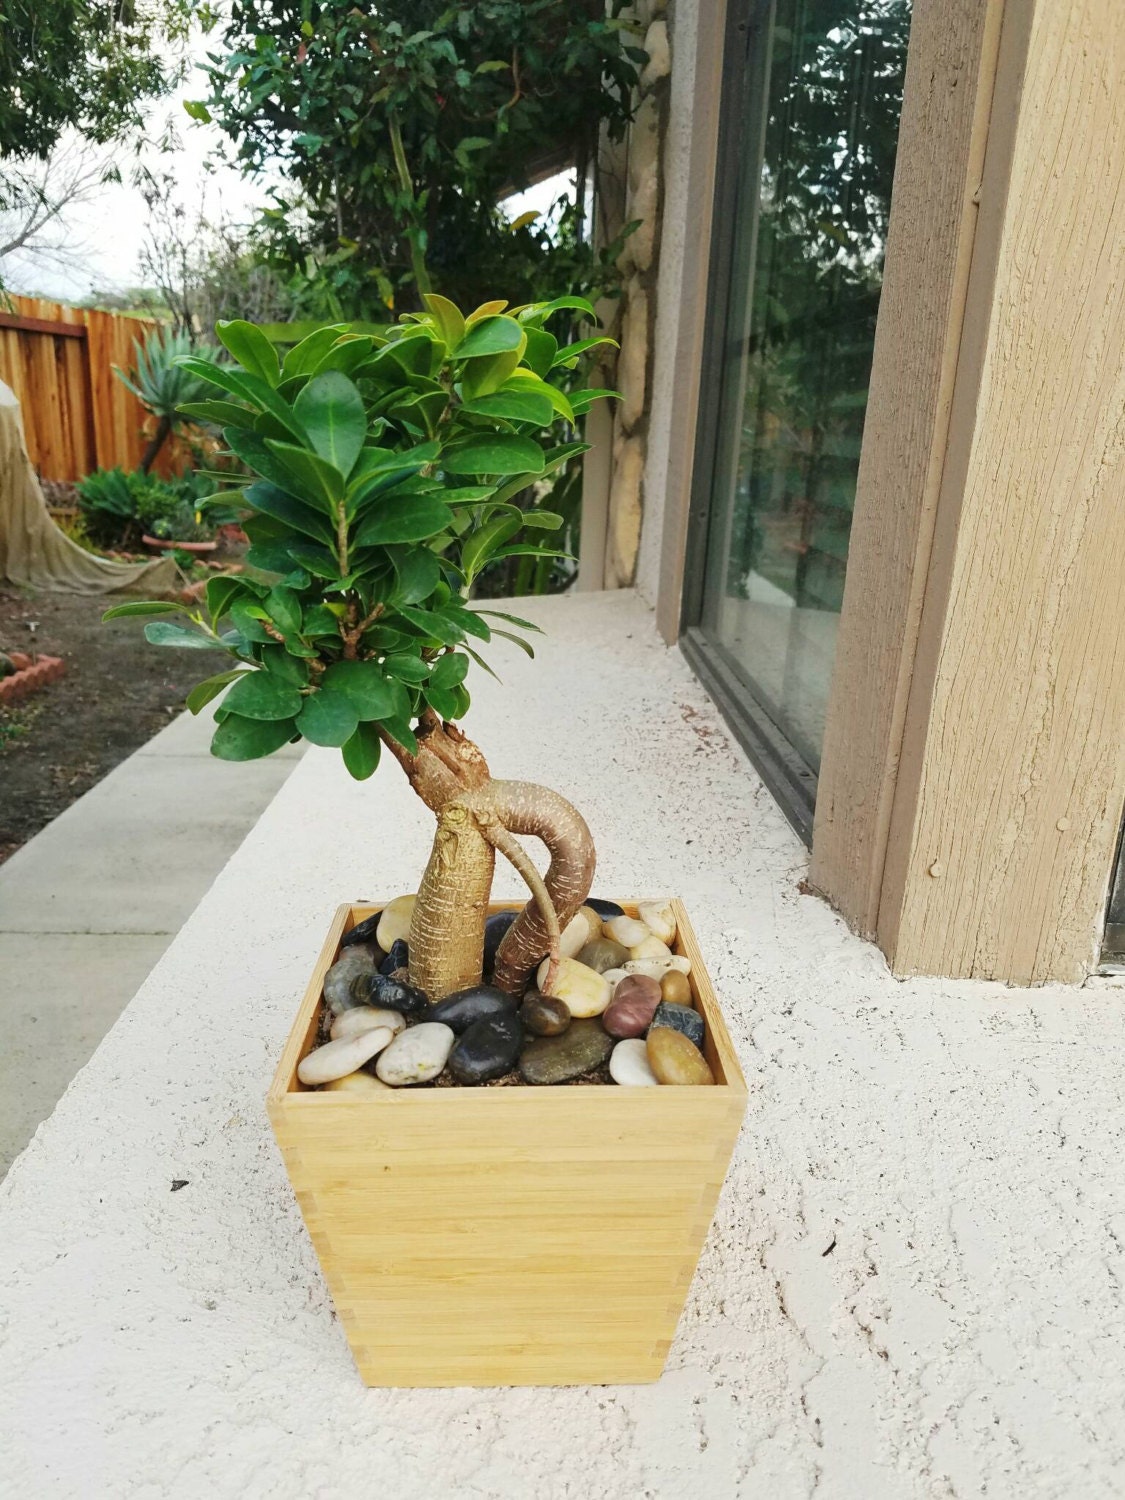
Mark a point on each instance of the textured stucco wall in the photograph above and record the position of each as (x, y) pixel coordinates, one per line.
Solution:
(913, 1287)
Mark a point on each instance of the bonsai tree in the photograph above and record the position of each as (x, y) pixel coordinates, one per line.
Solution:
(387, 474)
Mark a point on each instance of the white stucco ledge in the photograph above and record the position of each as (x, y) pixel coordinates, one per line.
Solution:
(913, 1287)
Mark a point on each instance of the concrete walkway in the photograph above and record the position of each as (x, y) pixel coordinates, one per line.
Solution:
(914, 1286)
(89, 905)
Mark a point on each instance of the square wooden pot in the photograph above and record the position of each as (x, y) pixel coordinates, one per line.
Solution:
(508, 1236)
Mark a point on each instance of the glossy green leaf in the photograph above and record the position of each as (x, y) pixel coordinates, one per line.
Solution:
(310, 476)
(331, 411)
(442, 700)
(249, 739)
(219, 413)
(417, 573)
(434, 625)
(493, 335)
(517, 640)
(248, 618)
(403, 518)
(371, 693)
(259, 393)
(482, 544)
(449, 671)
(361, 752)
(466, 620)
(163, 633)
(144, 607)
(513, 406)
(327, 718)
(448, 317)
(571, 352)
(260, 695)
(498, 454)
(203, 692)
(499, 614)
(251, 348)
(407, 668)
(541, 350)
(402, 734)
(284, 609)
(281, 506)
(304, 357)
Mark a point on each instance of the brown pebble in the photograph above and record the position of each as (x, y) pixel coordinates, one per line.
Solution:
(676, 1060)
(633, 1006)
(544, 1015)
(675, 989)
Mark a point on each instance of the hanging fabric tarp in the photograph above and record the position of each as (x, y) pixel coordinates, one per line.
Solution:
(34, 553)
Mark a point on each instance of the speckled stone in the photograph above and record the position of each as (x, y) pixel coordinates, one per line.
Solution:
(583, 1047)
(603, 954)
(680, 1018)
(415, 1056)
(488, 1049)
(366, 1018)
(674, 1059)
(396, 994)
(347, 1055)
(466, 1007)
(347, 982)
(634, 1003)
(629, 1066)
(544, 1015)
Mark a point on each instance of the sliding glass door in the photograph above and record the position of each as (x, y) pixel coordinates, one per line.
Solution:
(809, 133)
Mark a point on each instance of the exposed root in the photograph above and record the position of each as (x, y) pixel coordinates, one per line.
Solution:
(514, 852)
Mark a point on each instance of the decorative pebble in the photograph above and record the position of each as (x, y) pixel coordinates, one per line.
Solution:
(585, 992)
(488, 1049)
(397, 958)
(394, 922)
(673, 1058)
(495, 930)
(634, 1003)
(416, 1056)
(595, 921)
(557, 1059)
(658, 967)
(650, 947)
(603, 954)
(605, 909)
(362, 932)
(626, 930)
(341, 991)
(628, 1064)
(680, 1018)
(575, 935)
(613, 977)
(464, 1008)
(366, 1018)
(396, 994)
(357, 1083)
(674, 987)
(544, 1015)
(659, 919)
(347, 1055)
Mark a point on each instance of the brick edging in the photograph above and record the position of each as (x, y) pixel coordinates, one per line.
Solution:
(30, 676)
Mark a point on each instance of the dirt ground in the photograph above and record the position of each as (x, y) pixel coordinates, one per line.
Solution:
(117, 693)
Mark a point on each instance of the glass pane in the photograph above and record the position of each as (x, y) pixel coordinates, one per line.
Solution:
(818, 132)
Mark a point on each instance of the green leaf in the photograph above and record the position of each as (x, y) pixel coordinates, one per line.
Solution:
(418, 572)
(278, 504)
(286, 668)
(498, 614)
(448, 317)
(331, 411)
(367, 689)
(284, 609)
(494, 335)
(402, 734)
(203, 692)
(514, 406)
(466, 620)
(578, 304)
(572, 351)
(197, 110)
(221, 592)
(406, 668)
(481, 376)
(541, 350)
(144, 607)
(480, 661)
(361, 752)
(259, 393)
(162, 633)
(581, 401)
(309, 474)
(327, 718)
(304, 357)
(449, 671)
(249, 739)
(518, 641)
(481, 545)
(434, 625)
(259, 695)
(542, 520)
(441, 700)
(404, 518)
(499, 454)
(251, 348)
(219, 413)
(247, 618)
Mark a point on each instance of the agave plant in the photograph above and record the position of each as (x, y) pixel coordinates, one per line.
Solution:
(387, 467)
(162, 384)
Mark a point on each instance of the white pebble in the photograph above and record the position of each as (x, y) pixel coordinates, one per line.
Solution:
(651, 947)
(417, 1055)
(575, 935)
(348, 1055)
(627, 931)
(628, 1064)
(656, 968)
(394, 924)
(615, 976)
(357, 1083)
(366, 1018)
(585, 991)
(659, 919)
(594, 920)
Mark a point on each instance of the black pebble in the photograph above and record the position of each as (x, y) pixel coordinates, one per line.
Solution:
(489, 1049)
(396, 995)
(494, 931)
(397, 958)
(364, 932)
(465, 1008)
(604, 909)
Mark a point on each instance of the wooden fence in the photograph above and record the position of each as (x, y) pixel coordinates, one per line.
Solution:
(77, 415)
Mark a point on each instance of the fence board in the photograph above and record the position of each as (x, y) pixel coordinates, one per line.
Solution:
(77, 415)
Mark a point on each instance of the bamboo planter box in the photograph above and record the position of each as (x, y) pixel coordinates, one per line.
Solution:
(508, 1236)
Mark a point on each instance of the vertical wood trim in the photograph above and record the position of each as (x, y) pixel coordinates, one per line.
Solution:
(947, 102)
(685, 347)
(1012, 779)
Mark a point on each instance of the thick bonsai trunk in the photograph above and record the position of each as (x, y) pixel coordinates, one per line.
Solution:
(476, 816)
